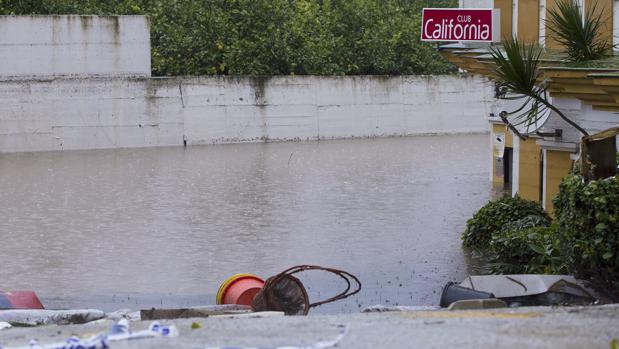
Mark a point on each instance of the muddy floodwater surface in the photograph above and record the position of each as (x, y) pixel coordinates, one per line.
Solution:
(141, 228)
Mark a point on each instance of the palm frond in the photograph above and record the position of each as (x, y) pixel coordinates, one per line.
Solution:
(581, 38)
(517, 70)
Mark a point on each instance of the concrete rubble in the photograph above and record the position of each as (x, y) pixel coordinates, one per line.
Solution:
(525, 327)
(38, 317)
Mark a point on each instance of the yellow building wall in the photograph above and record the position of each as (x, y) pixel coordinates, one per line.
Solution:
(605, 9)
(549, 42)
(506, 17)
(558, 165)
(500, 128)
(529, 170)
(528, 20)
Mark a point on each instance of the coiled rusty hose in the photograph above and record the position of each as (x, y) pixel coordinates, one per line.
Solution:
(284, 292)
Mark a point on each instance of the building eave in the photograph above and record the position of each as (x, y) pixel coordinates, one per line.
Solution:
(595, 86)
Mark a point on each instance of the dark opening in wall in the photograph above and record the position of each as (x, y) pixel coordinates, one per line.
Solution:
(508, 155)
(541, 175)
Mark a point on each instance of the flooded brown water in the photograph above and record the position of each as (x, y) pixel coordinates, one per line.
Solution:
(164, 226)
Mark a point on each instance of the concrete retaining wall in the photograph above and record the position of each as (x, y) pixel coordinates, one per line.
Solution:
(45, 46)
(92, 113)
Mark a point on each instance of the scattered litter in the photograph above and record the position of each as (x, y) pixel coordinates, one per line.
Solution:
(23, 317)
(521, 290)
(5, 325)
(382, 308)
(119, 332)
(185, 313)
(97, 342)
(317, 345)
(195, 325)
(284, 292)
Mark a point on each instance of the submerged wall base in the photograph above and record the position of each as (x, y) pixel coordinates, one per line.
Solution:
(120, 112)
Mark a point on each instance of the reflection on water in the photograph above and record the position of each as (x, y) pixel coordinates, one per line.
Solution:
(152, 227)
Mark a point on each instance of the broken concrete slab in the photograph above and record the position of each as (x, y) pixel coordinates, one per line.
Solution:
(384, 308)
(252, 315)
(194, 312)
(36, 317)
(588, 327)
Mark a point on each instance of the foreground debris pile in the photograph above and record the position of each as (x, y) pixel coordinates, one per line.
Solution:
(495, 291)
(282, 292)
(119, 332)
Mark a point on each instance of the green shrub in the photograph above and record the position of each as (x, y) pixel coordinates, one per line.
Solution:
(491, 218)
(527, 222)
(588, 220)
(531, 250)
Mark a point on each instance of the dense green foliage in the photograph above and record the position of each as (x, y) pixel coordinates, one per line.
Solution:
(583, 240)
(272, 37)
(530, 250)
(491, 219)
(587, 215)
(526, 223)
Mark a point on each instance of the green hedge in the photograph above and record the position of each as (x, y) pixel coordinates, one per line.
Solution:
(587, 215)
(531, 250)
(513, 236)
(272, 37)
(492, 218)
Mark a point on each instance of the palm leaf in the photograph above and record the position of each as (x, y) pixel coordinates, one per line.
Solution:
(517, 71)
(581, 38)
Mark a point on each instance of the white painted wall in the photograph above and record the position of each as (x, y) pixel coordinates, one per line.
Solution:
(72, 113)
(515, 19)
(591, 120)
(542, 23)
(476, 3)
(48, 46)
(616, 25)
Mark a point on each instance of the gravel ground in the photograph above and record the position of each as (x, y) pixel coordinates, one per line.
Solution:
(534, 327)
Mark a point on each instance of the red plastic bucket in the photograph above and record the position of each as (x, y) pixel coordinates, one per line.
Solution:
(239, 289)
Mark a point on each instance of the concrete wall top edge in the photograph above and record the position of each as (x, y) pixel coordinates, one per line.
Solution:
(222, 78)
(321, 77)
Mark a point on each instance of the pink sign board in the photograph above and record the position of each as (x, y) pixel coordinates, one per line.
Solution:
(461, 24)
